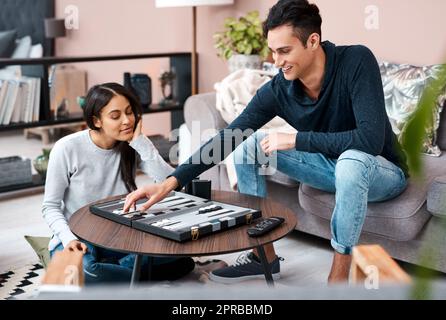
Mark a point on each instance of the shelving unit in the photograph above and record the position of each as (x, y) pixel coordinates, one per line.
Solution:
(181, 61)
(36, 186)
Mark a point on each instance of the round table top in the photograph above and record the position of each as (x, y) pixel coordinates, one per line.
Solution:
(114, 236)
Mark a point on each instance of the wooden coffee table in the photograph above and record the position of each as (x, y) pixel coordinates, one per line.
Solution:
(111, 235)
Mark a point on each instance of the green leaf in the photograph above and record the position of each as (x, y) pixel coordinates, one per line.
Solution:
(252, 16)
(239, 26)
(237, 36)
(248, 49)
(251, 32)
(230, 21)
(412, 140)
(264, 52)
(227, 54)
(240, 47)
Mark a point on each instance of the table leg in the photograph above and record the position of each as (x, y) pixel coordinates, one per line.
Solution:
(149, 267)
(266, 266)
(136, 270)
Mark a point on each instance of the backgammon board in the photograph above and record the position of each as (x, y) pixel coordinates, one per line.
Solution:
(179, 216)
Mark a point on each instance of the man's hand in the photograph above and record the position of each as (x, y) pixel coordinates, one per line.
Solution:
(153, 192)
(137, 132)
(278, 141)
(76, 245)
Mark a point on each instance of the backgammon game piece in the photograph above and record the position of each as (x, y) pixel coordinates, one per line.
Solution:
(179, 216)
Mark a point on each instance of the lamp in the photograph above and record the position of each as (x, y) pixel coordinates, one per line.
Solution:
(193, 4)
(54, 28)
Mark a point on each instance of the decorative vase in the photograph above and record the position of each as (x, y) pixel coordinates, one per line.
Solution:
(244, 61)
(40, 163)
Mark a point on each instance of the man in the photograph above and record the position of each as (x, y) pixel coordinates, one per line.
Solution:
(333, 96)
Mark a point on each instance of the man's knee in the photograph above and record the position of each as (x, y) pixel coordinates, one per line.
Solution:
(356, 155)
(352, 165)
(247, 152)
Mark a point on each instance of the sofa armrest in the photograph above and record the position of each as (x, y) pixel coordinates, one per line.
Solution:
(201, 108)
(367, 259)
(65, 269)
(436, 197)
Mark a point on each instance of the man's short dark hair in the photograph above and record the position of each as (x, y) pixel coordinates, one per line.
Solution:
(300, 14)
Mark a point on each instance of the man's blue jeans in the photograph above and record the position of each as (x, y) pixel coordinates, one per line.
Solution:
(102, 265)
(355, 177)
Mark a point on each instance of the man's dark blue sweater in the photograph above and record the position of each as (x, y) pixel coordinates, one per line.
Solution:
(348, 114)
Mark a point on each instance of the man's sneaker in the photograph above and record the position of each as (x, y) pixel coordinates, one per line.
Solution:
(246, 267)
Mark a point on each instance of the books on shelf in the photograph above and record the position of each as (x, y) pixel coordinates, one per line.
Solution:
(19, 99)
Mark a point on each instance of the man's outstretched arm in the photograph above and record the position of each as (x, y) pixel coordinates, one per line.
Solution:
(260, 110)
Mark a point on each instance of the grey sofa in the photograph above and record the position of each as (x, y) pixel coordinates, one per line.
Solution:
(403, 226)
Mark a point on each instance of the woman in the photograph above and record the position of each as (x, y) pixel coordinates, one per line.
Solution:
(97, 163)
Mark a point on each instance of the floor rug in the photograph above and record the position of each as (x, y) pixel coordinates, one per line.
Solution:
(20, 282)
(24, 282)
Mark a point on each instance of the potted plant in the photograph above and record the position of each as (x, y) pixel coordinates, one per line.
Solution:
(242, 42)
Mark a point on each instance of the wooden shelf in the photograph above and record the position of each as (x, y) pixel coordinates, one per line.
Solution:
(76, 117)
(181, 61)
(37, 182)
(40, 67)
(58, 60)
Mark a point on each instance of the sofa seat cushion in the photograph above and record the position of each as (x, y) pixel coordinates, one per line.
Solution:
(283, 179)
(398, 219)
(436, 197)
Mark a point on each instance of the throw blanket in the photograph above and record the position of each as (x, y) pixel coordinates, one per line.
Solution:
(233, 94)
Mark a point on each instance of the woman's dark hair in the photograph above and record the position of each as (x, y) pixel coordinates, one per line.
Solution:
(300, 14)
(97, 98)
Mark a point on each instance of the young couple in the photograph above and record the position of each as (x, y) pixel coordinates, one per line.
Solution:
(333, 96)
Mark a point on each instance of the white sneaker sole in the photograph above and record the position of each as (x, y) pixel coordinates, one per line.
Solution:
(213, 277)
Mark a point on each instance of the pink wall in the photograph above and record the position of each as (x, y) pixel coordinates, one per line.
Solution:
(409, 31)
(109, 27)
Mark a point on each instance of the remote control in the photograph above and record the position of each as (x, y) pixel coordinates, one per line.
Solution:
(265, 226)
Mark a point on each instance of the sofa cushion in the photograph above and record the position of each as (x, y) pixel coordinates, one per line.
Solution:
(283, 179)
(201, 108)
(403, 87)
(399, 219)
(40, 246)
(436, 197)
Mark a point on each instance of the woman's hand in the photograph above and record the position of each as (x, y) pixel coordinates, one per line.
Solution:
(153, 192)
(278, 141)
(138, 131)
(76, 245)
